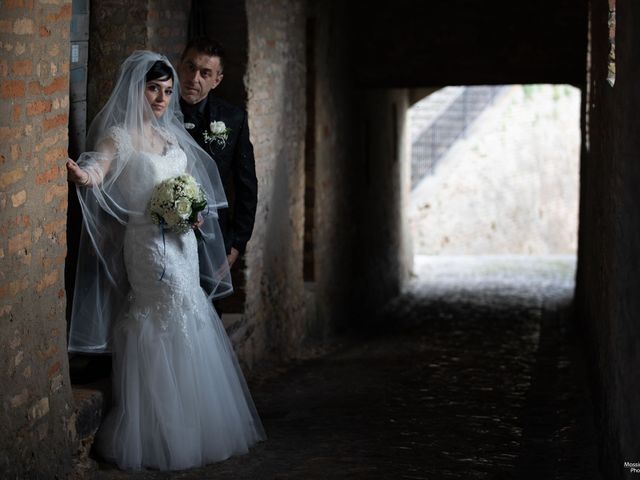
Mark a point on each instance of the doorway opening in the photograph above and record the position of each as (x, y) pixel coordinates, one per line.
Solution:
(495, 176)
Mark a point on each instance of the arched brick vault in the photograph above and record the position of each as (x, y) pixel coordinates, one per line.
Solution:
(409, 43)
(367, 56)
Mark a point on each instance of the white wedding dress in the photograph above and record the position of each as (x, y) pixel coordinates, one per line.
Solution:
(179, 398)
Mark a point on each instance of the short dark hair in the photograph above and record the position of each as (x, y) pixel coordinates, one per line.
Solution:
(159, 71)
(206, 45)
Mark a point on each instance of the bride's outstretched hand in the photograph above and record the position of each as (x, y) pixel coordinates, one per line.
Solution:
(76, 175)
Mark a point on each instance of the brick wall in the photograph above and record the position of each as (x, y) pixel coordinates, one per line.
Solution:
(382, 260)
(118, 27)
(361, 246)
(167, 27)
(608, 276)
(36, 425)
(334, 239)
(275, 80)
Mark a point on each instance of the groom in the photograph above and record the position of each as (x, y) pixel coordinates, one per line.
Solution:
(221, 129)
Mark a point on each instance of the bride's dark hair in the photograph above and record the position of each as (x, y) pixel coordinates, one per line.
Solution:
(159, 71)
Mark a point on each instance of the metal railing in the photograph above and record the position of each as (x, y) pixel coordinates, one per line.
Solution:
(438, 137)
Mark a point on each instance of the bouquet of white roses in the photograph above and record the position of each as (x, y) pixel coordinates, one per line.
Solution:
(175, 203)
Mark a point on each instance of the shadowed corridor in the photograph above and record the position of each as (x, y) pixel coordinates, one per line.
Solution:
(474, 372)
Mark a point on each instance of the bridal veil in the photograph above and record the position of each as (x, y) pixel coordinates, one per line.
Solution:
(101, 287)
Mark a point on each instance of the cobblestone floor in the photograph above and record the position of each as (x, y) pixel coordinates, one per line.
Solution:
(475, 373)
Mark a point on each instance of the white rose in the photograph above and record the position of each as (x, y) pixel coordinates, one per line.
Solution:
(191, 189)
(165, 193)
(171, 219)
(217, 128)
(183, 208)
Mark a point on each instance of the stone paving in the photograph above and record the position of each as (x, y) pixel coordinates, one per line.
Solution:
(475, 372)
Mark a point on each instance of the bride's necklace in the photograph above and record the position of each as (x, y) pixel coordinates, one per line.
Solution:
(154, 140)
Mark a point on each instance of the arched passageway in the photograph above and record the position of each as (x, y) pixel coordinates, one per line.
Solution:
(369, 61)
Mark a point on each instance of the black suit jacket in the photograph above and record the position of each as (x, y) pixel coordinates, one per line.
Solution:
(235, 163)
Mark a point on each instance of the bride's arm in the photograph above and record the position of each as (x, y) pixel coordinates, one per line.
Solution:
(77, 175)
(94, 172)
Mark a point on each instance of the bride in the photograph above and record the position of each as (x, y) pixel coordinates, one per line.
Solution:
(144, 290)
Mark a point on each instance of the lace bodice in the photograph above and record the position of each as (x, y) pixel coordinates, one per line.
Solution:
(160, 264)
(146, 169)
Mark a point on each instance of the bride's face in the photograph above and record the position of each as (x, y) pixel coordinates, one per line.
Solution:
(158, 94)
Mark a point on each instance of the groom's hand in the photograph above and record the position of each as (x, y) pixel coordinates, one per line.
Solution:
(199, 222)
(232, 257)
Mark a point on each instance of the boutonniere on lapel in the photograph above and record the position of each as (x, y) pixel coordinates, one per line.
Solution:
(218, 133)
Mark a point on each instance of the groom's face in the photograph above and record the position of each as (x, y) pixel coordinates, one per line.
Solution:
(199, 73)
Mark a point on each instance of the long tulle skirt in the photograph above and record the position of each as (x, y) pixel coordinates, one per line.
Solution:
(179, 398)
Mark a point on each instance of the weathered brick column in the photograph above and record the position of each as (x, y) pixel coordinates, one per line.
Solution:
(37, 421)
(273, 323)
(118, 27)
(608, 278)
